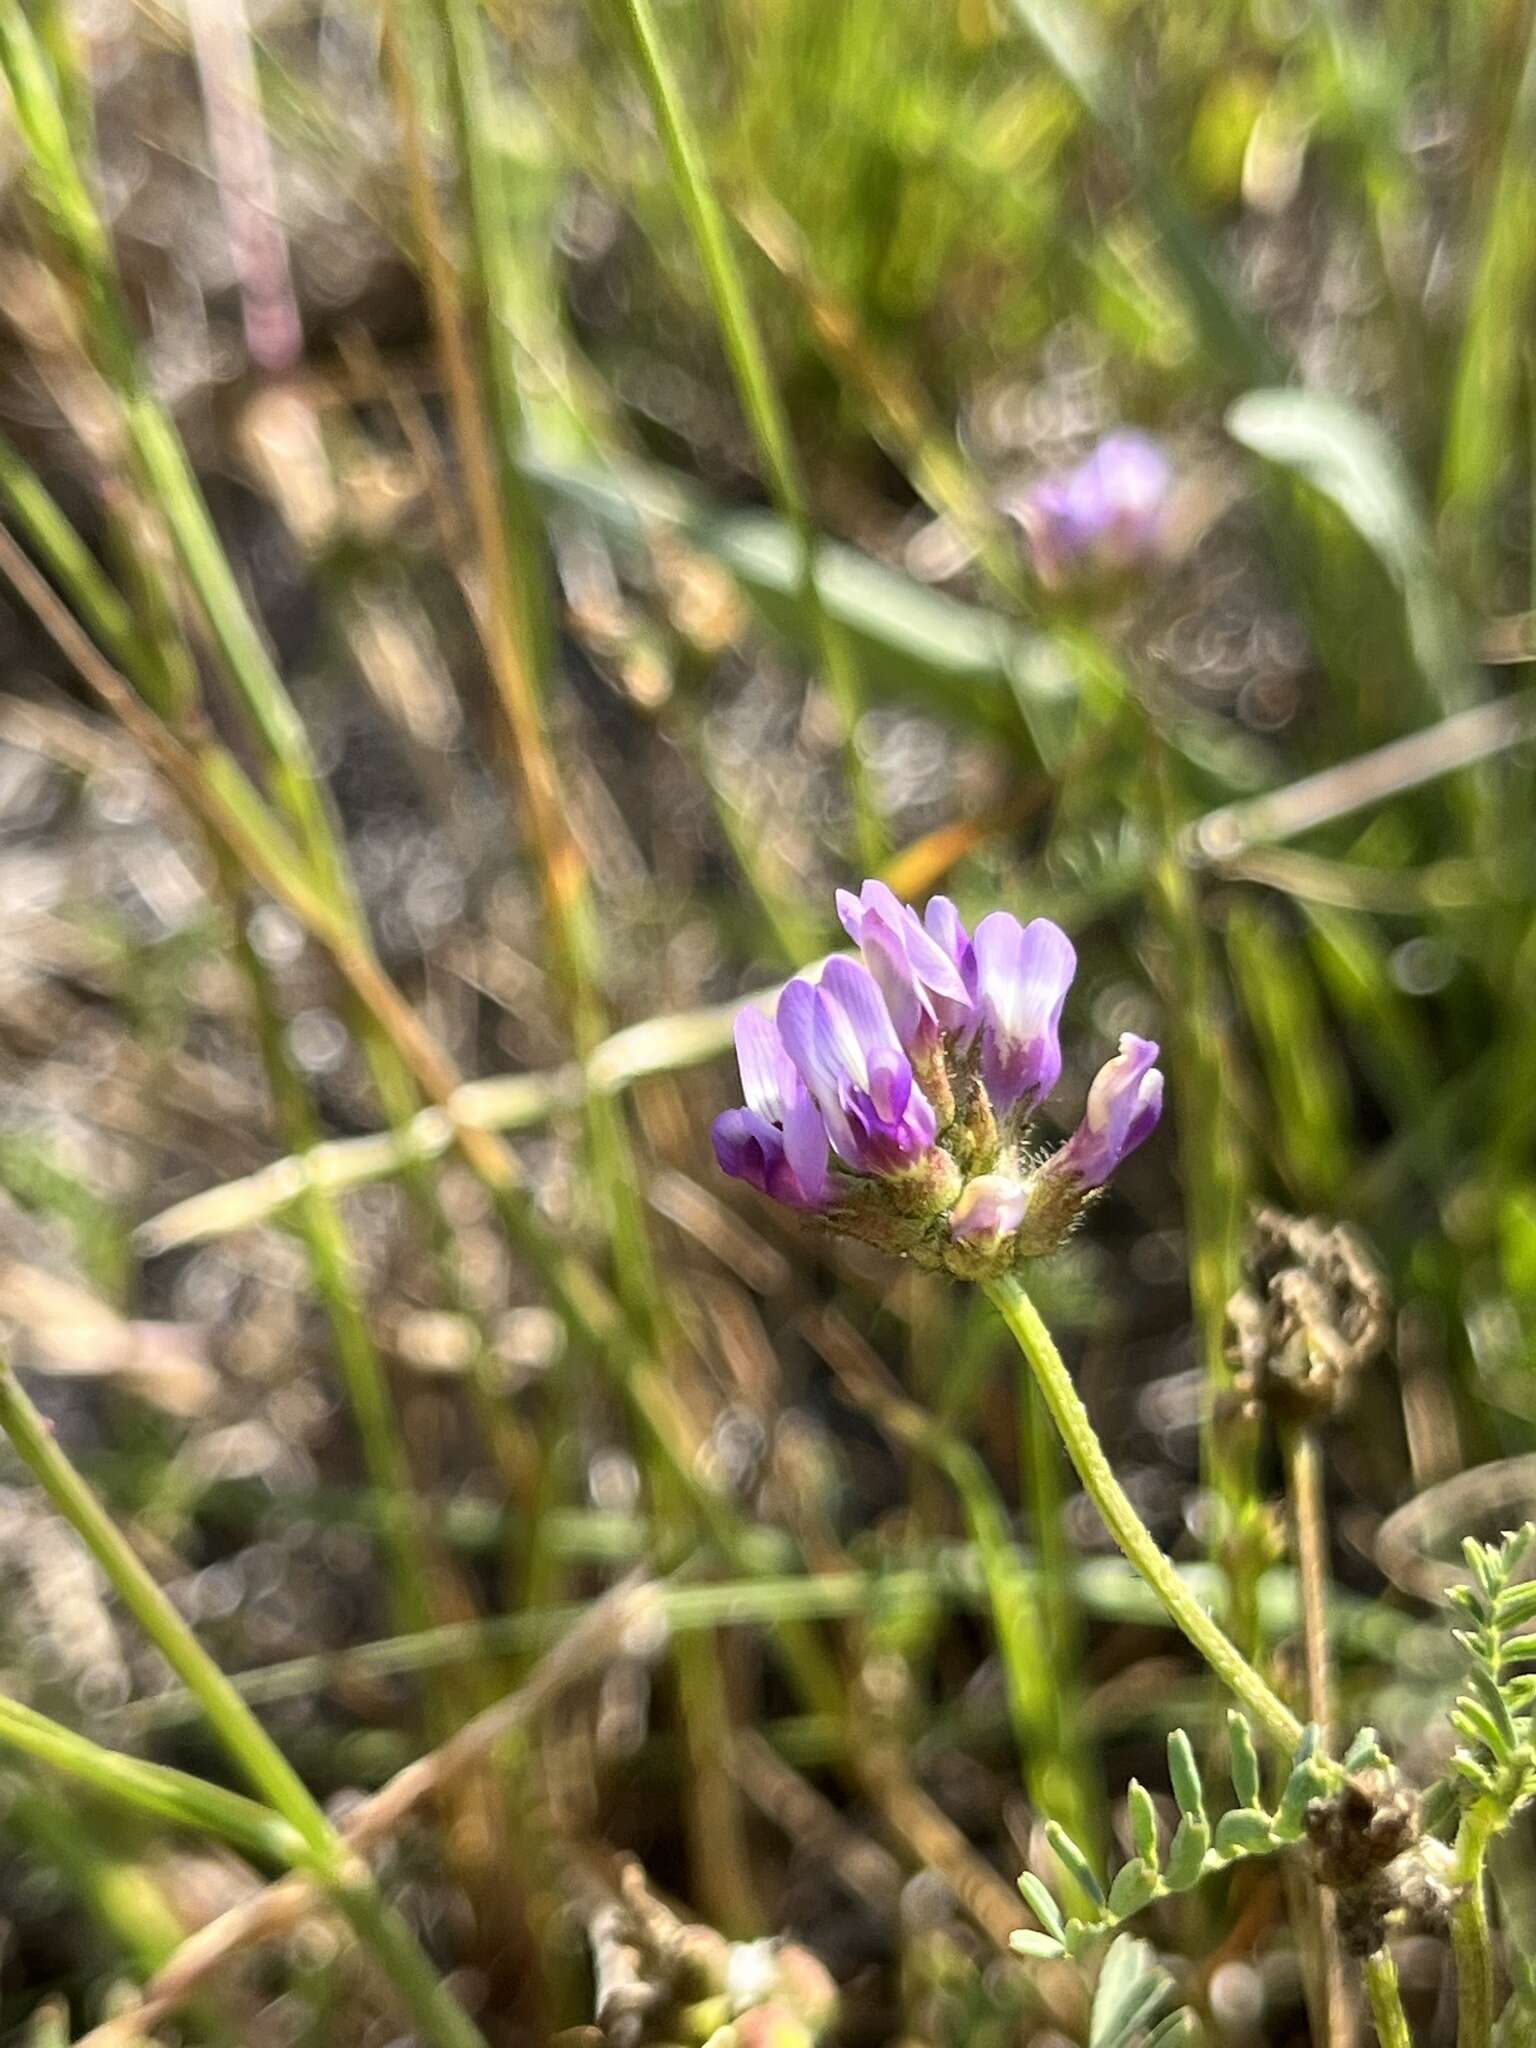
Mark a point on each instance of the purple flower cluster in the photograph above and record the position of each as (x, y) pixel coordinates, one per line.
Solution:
(893, 1096)
(1101, 517)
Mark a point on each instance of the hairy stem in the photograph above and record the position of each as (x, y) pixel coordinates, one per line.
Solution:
(1309, 1539)
(1309, 1544)
(1470, 1934)
(1386, 1998)
(1127, 1527)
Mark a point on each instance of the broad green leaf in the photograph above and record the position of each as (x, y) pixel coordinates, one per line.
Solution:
(1349, 458)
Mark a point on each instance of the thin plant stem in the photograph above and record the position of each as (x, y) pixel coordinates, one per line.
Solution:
(1303, 1459)
(1216, 1178)
(1056, 1774)
(487, 421)
(1471, 1937)
(392, 1039)
(441, 2019)
(1309, 1534)
(1126, 1526)
(1385, 1995)
(760, 400)
(150, 1788)
(1042, 1475)
(486, 400)
(769, 1596)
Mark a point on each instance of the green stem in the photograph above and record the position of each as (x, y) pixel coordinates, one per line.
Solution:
(1470, 1934)
(441, 2019)
(1055, 1772)
(1386, 1998)
(1044, 1483)
(1302, 1455)
(383, 1930)
(170, 1795)
(1126, 1526)
(760, 400)
(1217, 1179)
(333, 1271)
(146, 641)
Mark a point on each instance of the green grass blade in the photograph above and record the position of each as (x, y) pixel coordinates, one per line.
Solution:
(1070, 43)
(759, 397)
(149, 1788)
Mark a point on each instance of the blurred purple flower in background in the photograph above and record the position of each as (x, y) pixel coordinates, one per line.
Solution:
(1103, 516)
(917, 1068)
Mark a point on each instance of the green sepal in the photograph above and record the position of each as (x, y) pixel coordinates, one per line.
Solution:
(1044, 1948)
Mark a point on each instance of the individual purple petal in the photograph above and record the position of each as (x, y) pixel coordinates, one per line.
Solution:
(844, 1047)
(890, 1084)
(795, 1021)
(934, 967)
(789, 1165)
(856, 997)
(911, 1013)
(917, 978)
(768, 1078)
(1124, 1104)
(747, 1146)
(991, 1207)
(1023, 973)
(778, 1143)
(839, 1076)
(810, 1040)
(805, 1147)
(943, 924)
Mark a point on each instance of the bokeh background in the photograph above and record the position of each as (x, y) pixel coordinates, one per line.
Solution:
(515, 352)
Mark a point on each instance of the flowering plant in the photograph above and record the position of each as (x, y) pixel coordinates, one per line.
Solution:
(1104, 516)
(894, 1097)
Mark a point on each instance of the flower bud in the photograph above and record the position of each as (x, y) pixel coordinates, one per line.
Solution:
(1124, 1104)
(990, 1208)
